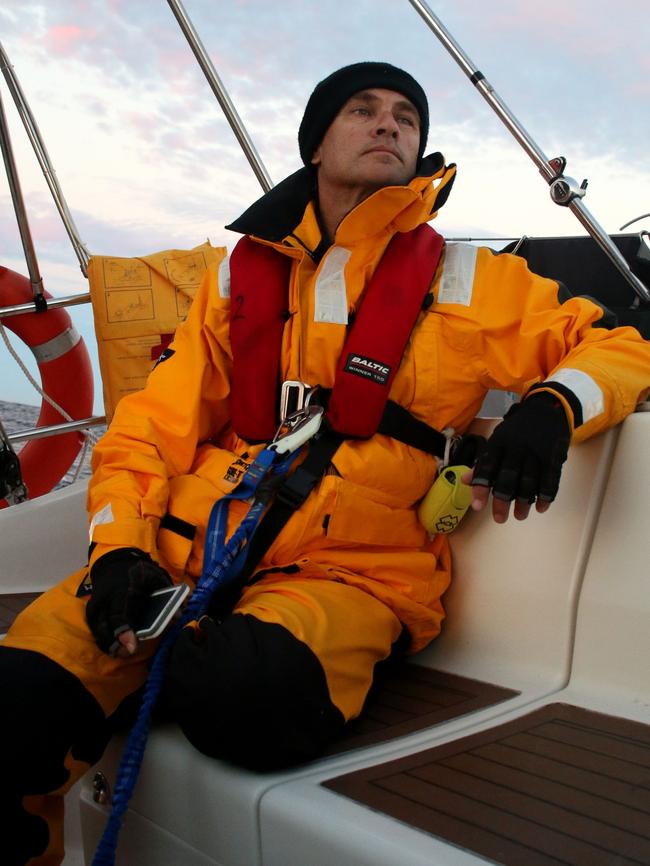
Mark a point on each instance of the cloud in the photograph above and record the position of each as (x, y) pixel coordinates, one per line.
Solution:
(142, 149)
(147, 161)
(64, 40)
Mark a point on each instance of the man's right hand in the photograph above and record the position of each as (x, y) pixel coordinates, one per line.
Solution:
(122, 582)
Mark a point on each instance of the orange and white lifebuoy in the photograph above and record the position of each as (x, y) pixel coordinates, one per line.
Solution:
(66, 377)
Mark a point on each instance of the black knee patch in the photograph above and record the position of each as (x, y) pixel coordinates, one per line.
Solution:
(250, 692)
(24, 835)
(44, 712)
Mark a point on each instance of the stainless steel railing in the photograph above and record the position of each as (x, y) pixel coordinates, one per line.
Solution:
(564, 190)
(55, 429)
(27, 117)
(38, 145)
(40, 303)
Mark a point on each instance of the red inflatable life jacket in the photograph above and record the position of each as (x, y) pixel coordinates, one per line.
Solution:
(373, 348)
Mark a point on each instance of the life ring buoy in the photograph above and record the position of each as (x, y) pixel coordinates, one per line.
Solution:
(66, 377)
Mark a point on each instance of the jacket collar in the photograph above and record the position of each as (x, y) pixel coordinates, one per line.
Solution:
(275, 215)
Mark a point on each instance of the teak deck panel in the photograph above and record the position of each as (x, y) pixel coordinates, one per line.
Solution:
(561, 786)
(413, 698)
(11, 605)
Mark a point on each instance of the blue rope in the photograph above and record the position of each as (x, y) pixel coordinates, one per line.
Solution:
(221, 563)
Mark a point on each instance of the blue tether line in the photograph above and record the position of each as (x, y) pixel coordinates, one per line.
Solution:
(221, 563)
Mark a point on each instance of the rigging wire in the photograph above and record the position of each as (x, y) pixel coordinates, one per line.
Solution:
(636, 219)
(47, 167)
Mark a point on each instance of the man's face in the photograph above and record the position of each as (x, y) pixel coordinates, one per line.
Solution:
(372, 142)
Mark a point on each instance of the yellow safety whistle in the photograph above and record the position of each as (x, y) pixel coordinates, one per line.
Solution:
(445, 504)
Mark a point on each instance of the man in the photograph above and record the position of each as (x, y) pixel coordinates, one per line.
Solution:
(352, 574)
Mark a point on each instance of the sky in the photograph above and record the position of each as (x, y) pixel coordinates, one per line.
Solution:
(147, 161)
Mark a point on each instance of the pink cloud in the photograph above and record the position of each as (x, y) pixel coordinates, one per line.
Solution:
(65, 39)
(144, 123)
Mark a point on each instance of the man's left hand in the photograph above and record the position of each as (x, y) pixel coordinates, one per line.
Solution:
(523, 459)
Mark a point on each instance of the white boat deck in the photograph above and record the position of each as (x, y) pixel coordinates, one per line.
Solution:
(556, 608)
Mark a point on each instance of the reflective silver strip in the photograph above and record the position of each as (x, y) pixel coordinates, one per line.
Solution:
(105, 515)
(224, 278)
(586, 389)
(57, 346)
(331, 296)
(457, 281)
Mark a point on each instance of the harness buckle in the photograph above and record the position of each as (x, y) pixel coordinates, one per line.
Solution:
(299, 427)
(299, 419)
(294, 396)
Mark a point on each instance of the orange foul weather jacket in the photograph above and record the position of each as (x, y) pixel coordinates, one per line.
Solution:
(171, 448)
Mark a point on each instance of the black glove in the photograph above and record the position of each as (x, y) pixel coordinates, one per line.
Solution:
(122, 582)
(524, 456)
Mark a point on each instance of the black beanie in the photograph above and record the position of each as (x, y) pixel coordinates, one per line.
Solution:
(335, 90)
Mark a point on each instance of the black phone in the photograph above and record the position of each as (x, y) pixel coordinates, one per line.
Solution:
(162, 607)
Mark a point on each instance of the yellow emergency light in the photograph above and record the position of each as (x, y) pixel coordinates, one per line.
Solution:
(447, 501)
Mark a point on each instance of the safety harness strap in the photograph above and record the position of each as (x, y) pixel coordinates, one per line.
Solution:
(398, 423)
(290, 496)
